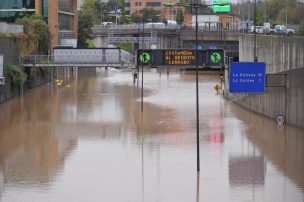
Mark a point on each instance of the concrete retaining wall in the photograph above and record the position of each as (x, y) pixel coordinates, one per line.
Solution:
(9, 49)
(279, 53)
(284, 55)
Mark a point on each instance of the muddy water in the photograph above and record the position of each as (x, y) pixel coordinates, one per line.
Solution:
(86, 140)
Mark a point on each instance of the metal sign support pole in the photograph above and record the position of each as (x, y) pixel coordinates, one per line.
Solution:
(142, 88)
(142, 69)
(197, 95)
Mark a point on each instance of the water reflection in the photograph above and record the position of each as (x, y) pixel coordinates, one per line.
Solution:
(284, 147)
(246, 171)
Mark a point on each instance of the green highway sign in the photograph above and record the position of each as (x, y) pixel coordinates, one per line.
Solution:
(221, 6)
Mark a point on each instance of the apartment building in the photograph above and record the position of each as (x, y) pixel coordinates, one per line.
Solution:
(137, 6)
(60, 15)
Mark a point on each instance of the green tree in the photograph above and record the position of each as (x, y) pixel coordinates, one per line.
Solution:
(99, 10)
(85, 24)
(180, 16)
(37, 35)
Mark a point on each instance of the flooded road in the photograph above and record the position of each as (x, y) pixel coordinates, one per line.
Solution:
(87, 140)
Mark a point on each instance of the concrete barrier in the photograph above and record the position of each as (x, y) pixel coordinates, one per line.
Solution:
(282, 55)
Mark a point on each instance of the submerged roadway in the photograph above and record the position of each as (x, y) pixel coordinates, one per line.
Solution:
(86, 139)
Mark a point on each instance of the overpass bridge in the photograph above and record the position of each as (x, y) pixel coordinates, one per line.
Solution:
(166, 36)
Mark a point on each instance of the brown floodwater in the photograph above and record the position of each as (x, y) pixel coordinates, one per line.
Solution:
(86, 139)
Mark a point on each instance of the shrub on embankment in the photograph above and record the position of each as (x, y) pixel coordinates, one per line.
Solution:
(15, 74)
(18, 80)
(18, 76)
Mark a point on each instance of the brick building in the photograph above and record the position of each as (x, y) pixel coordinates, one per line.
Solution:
(137, 6)
(60, 15)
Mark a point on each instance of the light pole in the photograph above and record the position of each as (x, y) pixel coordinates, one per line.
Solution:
(286, 15)
(169, 5)
(116, 6)
(196, 5)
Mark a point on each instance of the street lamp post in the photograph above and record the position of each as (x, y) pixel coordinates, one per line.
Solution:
(196, 6)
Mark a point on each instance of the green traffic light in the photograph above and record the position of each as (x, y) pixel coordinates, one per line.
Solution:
(145, 58)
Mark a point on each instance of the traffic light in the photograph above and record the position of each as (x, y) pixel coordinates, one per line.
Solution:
(214, 57)
(145, 57)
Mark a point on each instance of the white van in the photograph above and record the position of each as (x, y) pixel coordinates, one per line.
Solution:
(106, 23)
(171, 22)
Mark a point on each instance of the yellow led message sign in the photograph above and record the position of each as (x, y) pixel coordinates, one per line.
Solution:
(179, 57)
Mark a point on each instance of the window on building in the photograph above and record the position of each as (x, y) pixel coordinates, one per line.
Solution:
(137, 3)
(65, 22)
(17, 4)
(152, 3)
(10, 17)
(66, 5)
(45, 12)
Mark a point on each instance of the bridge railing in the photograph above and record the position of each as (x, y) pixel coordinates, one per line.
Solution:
(99, 28)
(204, 26)
(123, 57)
(36, 59)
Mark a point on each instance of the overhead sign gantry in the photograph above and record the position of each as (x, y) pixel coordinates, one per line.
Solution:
(181, 57)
